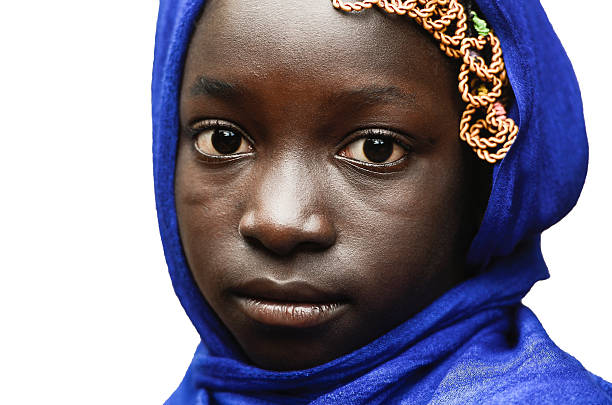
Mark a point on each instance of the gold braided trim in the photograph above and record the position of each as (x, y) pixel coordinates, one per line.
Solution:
(481, 84)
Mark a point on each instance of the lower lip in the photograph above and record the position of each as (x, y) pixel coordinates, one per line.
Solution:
(290, 314)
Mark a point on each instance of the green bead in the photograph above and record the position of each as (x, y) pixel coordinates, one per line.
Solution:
(480, 25)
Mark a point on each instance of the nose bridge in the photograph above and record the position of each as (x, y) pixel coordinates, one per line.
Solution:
(285, 209)
(286, 191)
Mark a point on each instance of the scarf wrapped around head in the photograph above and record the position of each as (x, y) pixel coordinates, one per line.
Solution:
(476, 343)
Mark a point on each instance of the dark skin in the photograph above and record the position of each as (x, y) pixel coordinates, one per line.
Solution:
(303, 89)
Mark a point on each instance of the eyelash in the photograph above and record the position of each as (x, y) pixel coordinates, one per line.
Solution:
(198, 127)
(385, 133)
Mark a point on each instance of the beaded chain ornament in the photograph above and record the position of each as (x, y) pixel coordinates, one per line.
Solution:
(481, 84)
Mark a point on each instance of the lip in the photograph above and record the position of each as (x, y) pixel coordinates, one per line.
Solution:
(295, 304)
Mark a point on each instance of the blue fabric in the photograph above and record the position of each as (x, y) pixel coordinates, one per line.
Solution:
(475, 344)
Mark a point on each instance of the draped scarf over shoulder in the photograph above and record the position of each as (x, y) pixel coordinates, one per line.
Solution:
(475, 344)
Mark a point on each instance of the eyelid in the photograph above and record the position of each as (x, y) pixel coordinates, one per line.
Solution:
(196, 127)
(378, 170)
(372, 132)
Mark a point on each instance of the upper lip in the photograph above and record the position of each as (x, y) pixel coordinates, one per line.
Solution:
(290, 291)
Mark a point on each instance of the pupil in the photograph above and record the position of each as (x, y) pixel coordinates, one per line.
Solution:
(377, 150)
(225, 141)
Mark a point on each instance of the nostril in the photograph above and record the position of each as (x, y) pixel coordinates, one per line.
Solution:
(254, 242)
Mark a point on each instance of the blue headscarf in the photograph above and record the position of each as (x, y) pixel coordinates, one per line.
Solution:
(475, 344)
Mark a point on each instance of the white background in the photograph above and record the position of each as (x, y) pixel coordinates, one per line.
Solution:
(87, 313)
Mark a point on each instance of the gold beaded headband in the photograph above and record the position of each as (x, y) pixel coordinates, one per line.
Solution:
(481, 85)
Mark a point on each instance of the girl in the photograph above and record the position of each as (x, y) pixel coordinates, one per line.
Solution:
(341, 224)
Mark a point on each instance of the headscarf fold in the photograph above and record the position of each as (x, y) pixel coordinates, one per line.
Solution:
(475, 344)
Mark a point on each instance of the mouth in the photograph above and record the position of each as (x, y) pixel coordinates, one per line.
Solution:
(293, 304)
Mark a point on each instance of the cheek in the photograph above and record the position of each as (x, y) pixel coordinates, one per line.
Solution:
(401, 236)
(208, 208)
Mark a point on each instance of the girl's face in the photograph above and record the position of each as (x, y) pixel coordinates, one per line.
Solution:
(321, 187)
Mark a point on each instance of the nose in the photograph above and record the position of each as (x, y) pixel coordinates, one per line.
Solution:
(286, 212)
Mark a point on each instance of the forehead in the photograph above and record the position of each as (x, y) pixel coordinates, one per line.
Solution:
(309, 38)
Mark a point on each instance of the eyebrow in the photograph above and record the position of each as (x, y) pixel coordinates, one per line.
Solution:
(207, 86)
(356, 98)
(372, 95)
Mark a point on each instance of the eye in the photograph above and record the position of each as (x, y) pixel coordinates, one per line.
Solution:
(221, 142)
(375, 149)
